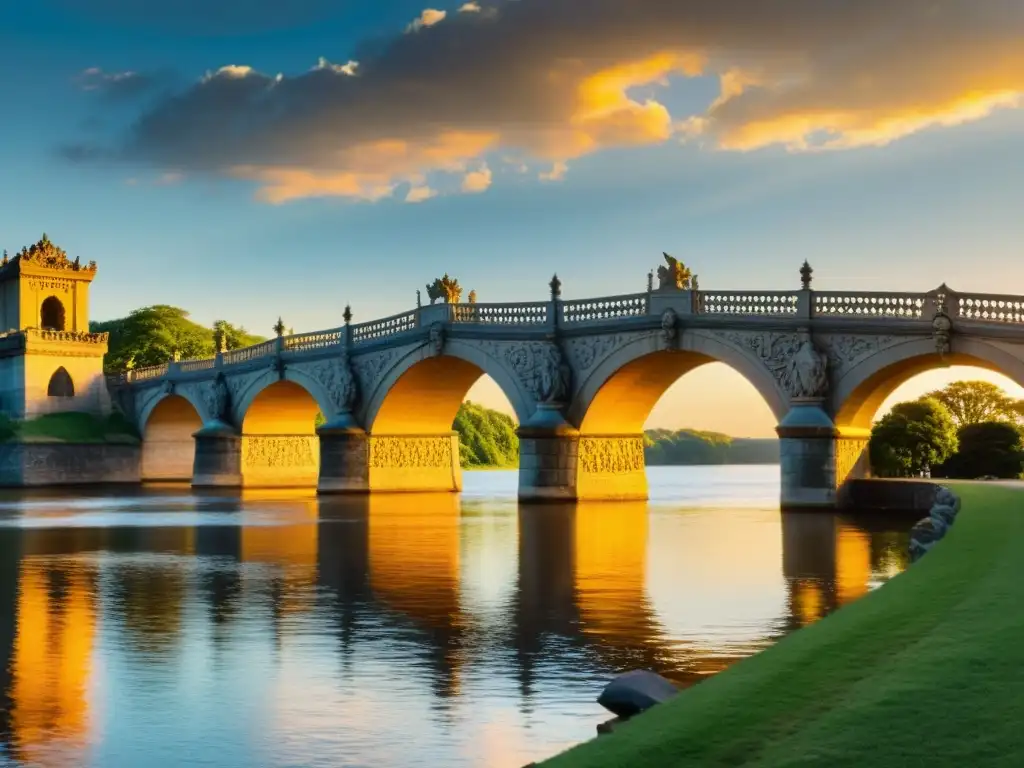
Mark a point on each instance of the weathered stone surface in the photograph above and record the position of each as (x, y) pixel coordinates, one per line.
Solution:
(42, 464)
(946, 497)
(924, 535)
(943, 514)
(634, 692)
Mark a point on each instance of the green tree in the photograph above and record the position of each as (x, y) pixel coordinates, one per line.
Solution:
(487, 438)
(150, 336)
(989, 448)
(235, 335)
(974, 402)
(912, 438)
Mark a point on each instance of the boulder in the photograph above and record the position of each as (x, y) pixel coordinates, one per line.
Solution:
(924, 535)
(947, 498)
(634, 692)
(944, 514)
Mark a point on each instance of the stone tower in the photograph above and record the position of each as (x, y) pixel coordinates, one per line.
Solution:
(49, 362)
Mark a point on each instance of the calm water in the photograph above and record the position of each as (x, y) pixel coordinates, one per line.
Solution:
(161, 628)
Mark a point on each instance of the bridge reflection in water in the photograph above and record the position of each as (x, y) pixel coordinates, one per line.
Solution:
(440, 599)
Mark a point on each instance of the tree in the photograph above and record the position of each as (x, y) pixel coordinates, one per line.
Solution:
(974, 402)
(912, 438)
(487, 438)
(236, 336)
(989, 448)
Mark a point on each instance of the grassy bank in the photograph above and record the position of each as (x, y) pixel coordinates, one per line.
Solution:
(927, 670)
(68, 427)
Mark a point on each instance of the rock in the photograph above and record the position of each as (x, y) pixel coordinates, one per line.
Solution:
(924, 535)
(944, 514)
(947, 498)
(609, 725)
(634, 692)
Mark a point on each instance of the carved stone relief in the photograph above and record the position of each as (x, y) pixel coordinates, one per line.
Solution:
(849, 453)
(669, 331)
(611, 455)
(791, 358)
(847, 351)
(542, 368)
(369, 369)
(411, 452)
(280, 451)
(339, 381)
(436, 339)
(588, 351)
(217, 398)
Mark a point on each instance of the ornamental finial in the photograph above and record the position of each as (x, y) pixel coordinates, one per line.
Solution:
(347, 314)
(556, 287)
(650, 281)
(279, 327)
(805, 275)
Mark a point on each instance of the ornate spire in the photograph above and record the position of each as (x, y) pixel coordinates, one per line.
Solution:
(45, 254)
(556, 287)
(347, 314)
(279, 327)
(805, 275)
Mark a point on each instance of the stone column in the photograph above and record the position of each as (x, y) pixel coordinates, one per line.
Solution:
(344, 457)
(807, 448)
(218, 460)
(548, 457)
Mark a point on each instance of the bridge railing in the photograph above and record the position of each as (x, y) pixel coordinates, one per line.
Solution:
(149, 372)
(303, 342)
(987, 307)
(244, 354)
(198, 364)
(747, 303)
(523, 313)
(869, 304)
(605, 308)
(388, 326)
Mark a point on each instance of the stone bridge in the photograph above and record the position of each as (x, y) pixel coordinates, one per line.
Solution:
(582, 376)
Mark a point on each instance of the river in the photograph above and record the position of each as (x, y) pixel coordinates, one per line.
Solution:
(163, 628)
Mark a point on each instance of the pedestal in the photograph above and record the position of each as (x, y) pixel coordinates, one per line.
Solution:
(548, 457)
(218, 460)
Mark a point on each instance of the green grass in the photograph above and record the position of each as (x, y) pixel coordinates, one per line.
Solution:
(928, 670)
(71, 427)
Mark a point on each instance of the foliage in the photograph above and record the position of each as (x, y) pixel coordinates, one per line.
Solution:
(150, 336)
(868, 685)
(70, 427)
(912, 438)
(690, 446)
(990, 448)
(974, 402)
(487, 438)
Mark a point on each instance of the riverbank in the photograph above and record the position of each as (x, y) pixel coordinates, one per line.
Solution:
(929, 668)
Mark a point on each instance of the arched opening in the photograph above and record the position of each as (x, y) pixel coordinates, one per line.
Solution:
(168, 448)
(51, 314)
(439, 416)
(60, 384)
(670, 408)
(279, 443)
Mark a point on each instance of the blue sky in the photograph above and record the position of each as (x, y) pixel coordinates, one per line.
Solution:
(175, 186)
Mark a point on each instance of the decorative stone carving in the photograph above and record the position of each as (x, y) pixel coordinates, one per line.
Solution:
(435, 339)
(611, 455)
(339, 381)
(218, 399)
(587, 351)
(846, 351)
(849, 452)
(411, 452)
(45, 254)
(542, 369)
(942, 331)
(669, 331)
(791, 358)
(369, 369)
(168, 387)
(673, 275)
(472, 297)
(280, 451)
(446, 288)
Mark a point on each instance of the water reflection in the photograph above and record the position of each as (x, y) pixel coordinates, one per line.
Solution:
(277, 629)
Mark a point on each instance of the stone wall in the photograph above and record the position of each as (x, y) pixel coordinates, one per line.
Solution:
(889, 495)
(611, 468)
(41, 464)
(414, 463)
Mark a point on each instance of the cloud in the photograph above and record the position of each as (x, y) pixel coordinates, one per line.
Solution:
(550, 81)
(428, 18)
(557, 172)
(477, 181)
(419, 193)
(470, 7)
(115, 86)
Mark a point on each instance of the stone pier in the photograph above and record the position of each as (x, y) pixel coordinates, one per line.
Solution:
(548, 458)
(218, 457)
(414, 463)
(344, 458)
(812, 467)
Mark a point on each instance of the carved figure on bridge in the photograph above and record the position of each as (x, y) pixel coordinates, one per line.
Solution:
(168, 387)
(554, 376)
(339, 381)
(674, 276)
(669, 319)
(435, 339)
(446, 288)
(807, 369)
(942, 328)
(218, 398)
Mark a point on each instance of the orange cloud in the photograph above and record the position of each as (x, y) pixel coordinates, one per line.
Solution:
(551, 81)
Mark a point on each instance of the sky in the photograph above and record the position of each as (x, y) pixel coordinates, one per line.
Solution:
(248, 159)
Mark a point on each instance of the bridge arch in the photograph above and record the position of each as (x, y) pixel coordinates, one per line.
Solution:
(421, 393)
(617, 396)
(168, 448)
(860, 392)
(254, 387)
